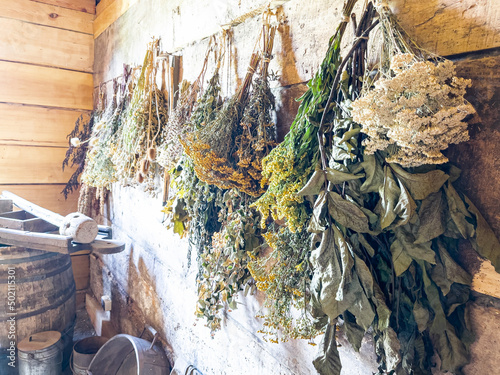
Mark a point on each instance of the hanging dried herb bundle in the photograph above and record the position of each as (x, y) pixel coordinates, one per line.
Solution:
(181, 119)
(212, 146)
(208, 106)
(416, 107)
(225, 270)
(258, 132)
(170, 149)
(194, 209)
(99, 169)
(77, 150)
(384, 242)
(285, 276)
(288, 166)
(142, 125)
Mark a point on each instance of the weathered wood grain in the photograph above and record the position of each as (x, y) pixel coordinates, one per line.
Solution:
(29, 84)
(449, 27)
(87, 6)
(81, 270)
(48, 196)
(5, 205)
(39, 241)
(36, 126)
(103, 4)
(110, 14)
(45, 45)
(479, 160)
(48, 15)
(30, 208)
(29, 165)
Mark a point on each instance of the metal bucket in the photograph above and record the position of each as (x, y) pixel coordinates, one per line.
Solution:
(41, 354)
(83, 353)
(181, 367)
(129, 355)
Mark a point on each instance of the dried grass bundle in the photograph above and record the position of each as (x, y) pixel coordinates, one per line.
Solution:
(228, 150)
(182, 116)
(212, 146)
(142, 124)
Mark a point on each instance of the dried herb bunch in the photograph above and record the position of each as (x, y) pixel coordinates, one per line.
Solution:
(212, 146)
(225, 271)
(99, 170)
(285, 276)
(170, 149)
(181, 118)
(194, 209)
(138, 138)
(258, 131)
(288, 166)
(384, 241)
(78, 143)
(417, 107)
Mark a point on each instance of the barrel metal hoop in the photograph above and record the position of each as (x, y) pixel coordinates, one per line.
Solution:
(66, 297)
(29, 259)
(41, 276)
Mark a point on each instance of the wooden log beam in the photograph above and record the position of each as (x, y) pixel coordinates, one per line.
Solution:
(40, 241)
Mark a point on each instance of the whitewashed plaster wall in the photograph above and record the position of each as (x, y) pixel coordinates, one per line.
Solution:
(150, 282)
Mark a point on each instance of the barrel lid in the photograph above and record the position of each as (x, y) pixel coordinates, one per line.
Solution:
(39, 341)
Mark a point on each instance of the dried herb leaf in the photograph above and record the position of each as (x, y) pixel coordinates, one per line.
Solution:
(485, 242)
(328, 361)
(421, 185)
(347, 214)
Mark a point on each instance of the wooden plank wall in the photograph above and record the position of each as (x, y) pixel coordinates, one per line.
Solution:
(46, 64)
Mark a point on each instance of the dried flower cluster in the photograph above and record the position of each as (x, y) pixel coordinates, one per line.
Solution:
(419, 108)
(284, 275)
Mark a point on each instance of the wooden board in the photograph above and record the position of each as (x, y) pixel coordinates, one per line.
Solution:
(48, 15)
(103, 4)
(87, 6)
(47, 196)
(28, 165)
(81, 270)
(5, 205)
(44, 45)
(29, 84)
(39, 241)
(36, 126)
(101, 320)
(449, 27)
(110, 14)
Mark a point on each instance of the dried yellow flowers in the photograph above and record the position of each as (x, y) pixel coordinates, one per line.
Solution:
(418, 109)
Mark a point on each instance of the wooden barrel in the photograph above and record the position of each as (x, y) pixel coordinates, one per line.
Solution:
(38, 294)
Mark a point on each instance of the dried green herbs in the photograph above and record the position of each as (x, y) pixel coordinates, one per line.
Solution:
(224, 266)
(77, 151)
(288, 166)
(139, 136)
